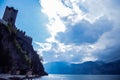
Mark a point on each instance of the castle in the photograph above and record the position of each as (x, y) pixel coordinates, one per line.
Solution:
(9, 17)
(16, 51)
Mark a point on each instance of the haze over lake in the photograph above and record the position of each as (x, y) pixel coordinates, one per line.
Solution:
(80, 77)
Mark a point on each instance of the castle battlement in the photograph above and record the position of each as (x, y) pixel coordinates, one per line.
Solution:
(21, 34)
(9, 17)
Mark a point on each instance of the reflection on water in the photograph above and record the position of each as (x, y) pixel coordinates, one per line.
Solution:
(80, 77)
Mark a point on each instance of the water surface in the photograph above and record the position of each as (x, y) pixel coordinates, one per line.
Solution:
(79, 77)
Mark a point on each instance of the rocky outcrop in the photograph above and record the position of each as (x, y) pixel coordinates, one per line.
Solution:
(17, 55)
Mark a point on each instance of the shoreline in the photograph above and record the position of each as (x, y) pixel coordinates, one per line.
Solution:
(17, 77)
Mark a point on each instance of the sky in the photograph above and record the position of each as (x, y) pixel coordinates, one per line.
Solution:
(70, 30)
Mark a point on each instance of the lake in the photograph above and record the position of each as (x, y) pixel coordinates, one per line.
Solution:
(79, 77)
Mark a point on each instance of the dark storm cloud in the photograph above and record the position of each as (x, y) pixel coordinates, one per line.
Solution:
(112, 50)
(85, 32)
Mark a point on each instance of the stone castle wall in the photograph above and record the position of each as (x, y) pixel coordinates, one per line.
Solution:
(21, 34)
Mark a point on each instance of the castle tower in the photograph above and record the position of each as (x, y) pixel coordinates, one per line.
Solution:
(10, 15)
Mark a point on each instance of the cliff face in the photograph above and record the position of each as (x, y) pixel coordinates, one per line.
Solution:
(17, 53)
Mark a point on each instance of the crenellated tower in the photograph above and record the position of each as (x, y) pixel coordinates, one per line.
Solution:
(10, 15)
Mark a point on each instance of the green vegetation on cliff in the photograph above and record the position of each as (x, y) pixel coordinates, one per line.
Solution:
(16, 54)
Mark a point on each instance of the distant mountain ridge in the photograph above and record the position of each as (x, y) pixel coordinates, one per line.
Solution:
(89, 67)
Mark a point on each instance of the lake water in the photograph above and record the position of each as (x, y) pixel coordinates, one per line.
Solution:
(80, 77)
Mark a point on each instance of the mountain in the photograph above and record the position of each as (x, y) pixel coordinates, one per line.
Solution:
(111, 67)
(16, 51)
(89, 67)
(57, 67)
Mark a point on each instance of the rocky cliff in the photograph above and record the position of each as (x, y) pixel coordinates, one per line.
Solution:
(16, 52)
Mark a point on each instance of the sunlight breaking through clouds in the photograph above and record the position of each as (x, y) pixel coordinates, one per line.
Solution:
(64, 15)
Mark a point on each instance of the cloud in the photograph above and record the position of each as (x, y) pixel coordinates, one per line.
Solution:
(81, 31)
(84, 32)
(108, 46)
